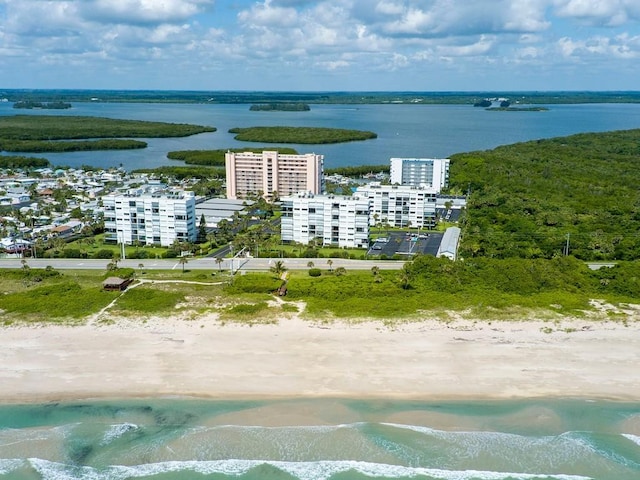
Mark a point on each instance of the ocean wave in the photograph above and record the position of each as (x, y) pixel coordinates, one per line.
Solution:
(634, 438)
(321, 470)
(544, 452)
(116, 431)
(8, 465)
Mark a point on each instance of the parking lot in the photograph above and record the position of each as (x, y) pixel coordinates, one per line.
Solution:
(406, 244)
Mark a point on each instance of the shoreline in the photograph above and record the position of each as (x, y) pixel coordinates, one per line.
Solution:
(203, 359)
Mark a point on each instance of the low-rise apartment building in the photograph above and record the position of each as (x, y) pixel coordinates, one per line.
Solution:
(150, 218)
(335, 220)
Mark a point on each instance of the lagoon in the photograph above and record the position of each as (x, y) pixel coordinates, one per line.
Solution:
(403, 130)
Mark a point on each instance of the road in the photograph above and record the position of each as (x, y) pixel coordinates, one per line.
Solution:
(238, 264)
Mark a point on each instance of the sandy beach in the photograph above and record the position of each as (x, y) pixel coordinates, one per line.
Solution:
(298, 358)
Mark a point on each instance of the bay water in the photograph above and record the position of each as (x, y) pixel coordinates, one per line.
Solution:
(320, 439)
(403, 130)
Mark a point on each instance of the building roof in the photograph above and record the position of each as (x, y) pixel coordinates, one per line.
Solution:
(449, 243)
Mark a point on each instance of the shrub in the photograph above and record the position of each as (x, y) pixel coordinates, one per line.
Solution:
(138, 254)
(315, 272)
(121, 272)
(170, 254)
(103, 253)
(55, 301)
(71, 253)
(149, 300)
(246, 309)
(254, 283)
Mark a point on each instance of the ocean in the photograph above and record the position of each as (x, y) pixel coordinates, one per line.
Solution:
(435, 131)
(321, 439)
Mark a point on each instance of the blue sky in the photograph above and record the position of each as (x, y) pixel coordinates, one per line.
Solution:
(415, 45)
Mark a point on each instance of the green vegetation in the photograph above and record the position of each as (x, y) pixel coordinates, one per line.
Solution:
(149, 299)
(529, 200)
(181, 173)
(216, 157)
(306, 135)
(253, 283)
(42, 105)
(482, 287)
(32, 127)
(46, 295)
(280, 107)
(357, 170)
(74, 146)
(479, 288)
(22, 162)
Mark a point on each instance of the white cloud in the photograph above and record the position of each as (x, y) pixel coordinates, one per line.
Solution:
(342, 39)
(622, 47)
(609, 13)
(263, 14)
(442, 18)
(141, 11)
(481, 47)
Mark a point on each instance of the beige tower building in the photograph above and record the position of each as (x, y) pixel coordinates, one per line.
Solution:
(269, 172)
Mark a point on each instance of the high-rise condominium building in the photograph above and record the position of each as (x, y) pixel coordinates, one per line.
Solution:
(429, 172)
(269, 171)
(327, 219)
(157, 218)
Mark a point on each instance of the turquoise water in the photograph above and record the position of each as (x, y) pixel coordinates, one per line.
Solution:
(175, 439)
(403, 130)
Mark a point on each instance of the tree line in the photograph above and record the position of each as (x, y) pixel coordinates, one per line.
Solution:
(305, 135)
(575, 195)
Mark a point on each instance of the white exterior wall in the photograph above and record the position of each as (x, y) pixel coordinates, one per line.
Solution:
(150, 218)
(331, 220)
(398, 205)
(430, 172)
(266, 172)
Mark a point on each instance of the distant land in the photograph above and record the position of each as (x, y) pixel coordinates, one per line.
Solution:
(257, 97)
(280, 107)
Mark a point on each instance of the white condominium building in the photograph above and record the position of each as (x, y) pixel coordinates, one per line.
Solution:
(329, 219)
(400, 205)
(430, 172)
(157, 218)
(269, 171)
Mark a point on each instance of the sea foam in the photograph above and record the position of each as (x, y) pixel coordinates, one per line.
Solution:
(116, 431)
(634, 438)
(321, 470)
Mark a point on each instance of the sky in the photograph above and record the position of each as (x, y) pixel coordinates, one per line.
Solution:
(321, 45)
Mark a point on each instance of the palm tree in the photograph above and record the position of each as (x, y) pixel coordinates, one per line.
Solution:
(340, 271)
(375, 270)
(219, 262)
(183, 261)
(310, 265)
(405, 277)
(278, 268)
(115, 258)
(330, 263)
